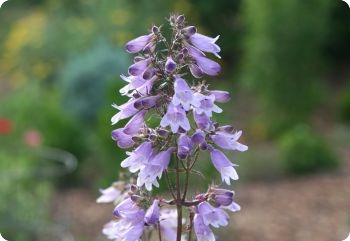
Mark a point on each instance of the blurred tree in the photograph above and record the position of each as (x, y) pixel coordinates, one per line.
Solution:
(283, 60)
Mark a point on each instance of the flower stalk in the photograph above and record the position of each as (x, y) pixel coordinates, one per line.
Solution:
(165, 83)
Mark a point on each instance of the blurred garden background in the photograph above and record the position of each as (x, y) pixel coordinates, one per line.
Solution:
(287, 64)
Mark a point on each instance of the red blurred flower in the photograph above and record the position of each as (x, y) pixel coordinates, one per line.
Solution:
(5, 126)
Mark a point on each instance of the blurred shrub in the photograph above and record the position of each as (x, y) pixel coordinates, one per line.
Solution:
(344, 105)
(38, 108)
(303, 151)
(84, 79)
(24, 200)
(282, 60)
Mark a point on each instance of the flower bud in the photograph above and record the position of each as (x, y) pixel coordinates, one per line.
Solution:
(190, 30)
(138, 59)
(135, 198)
(221, 96)
(222, 197)
(170, 65)
(226, 128)
(148, 73)
(203, 146)
(198, 137)
(196, 71)
(155, 29)
(152, 213)
(180, 19)
(163, 132)
(184, 146)
(133, 188)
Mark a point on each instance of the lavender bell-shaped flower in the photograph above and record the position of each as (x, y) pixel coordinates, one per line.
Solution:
(195, 71)
(139, 67)
(184, 95)
(189, 30)
(220, 95)
(206, 65)
(126, 110)
(152, 213)
(184, 146)
(170, 65)
(134, 82)
(205, 43)
(229, 141)
(213, 216)
(137, 44)
(109, 194)
(138, 159)
(176, 118)
(222, 197)
(129, 211)
(223, 165)
(123, 136)
(202, 120)
(207, 105)
(146, 88)
(203, 232)
(154, 168)
(146, 102)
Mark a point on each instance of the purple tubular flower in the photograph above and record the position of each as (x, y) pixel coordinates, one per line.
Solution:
(147, 86)
(195, 71)
(176, 118)
(168, 224)
(207, 66)
(184, 95)
(189, 30)
(149, 72)
(229, 141)
(233, 207)
(139, 67)
(137, 44)
(123, 136)
(222, 197)
(223, 165)
(202, 120)
(109, 195)
(226, 128)
(206, 44)
(198, 137)
(152, 213)
(138, 159)
(220, 95)
(213, 216)
(129, 211)
(125, 111)
(154, 168)
(203, 232)
(184, 146)
(207, 105)
(170, 65)
(146, 102)
(134, 82)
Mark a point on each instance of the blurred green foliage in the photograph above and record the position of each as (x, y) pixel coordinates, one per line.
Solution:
(282, 59)
(304, 151)
(344, 105)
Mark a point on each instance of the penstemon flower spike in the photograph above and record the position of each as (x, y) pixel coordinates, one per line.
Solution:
(159, 84)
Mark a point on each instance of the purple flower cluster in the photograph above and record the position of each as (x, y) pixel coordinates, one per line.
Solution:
(159, 88)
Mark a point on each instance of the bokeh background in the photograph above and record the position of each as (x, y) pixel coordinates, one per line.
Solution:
(287, 64)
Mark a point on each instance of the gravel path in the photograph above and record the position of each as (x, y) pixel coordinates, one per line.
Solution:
(312, 208)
